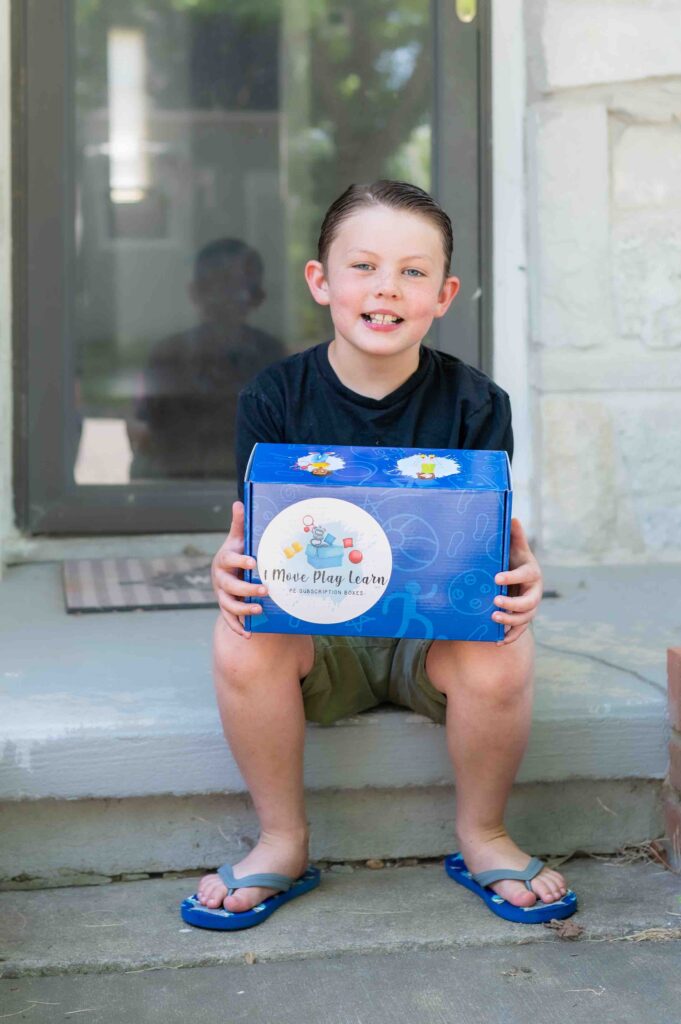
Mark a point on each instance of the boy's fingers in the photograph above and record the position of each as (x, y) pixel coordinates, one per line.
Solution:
(228, 559)
(525, 603)
(231, 584)
(235, 625)
(231, 620)
(519, 541)
(512, 635)
(239, 607)
(512, 618)
(528, 572)
(237, 516)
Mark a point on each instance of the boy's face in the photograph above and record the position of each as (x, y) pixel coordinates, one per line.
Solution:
(226, 293)
(384, 280)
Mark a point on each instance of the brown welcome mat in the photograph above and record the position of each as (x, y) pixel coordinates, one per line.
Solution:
(126, 584)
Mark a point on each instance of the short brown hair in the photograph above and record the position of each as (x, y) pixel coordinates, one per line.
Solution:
(399, 195)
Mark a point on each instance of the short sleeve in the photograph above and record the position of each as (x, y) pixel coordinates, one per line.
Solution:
(256, 420)
(489, 428)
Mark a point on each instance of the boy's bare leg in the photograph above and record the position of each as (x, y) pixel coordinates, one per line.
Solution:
(257, 684)
(489, 708)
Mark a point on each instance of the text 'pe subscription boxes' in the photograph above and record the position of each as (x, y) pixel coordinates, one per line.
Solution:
(390, 542)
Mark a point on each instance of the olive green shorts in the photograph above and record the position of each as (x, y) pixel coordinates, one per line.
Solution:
(353, 674)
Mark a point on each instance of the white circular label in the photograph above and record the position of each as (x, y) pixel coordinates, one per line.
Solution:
(324, 560)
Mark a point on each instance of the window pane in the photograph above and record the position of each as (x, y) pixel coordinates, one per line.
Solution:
(211, 135)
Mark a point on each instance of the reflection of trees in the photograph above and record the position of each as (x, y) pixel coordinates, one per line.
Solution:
(350, 78)
(371, 72)
(369, 67)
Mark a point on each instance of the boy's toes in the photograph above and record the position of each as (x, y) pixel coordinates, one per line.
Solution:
(245, 899)
(515, 893)
(211, 891)
(549, 886)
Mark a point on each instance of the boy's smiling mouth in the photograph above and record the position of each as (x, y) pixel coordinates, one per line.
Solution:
(382, 318)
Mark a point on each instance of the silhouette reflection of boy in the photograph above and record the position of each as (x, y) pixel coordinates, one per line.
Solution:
(183, 422)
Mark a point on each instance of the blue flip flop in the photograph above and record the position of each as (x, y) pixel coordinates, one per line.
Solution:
(455, 866)
(194, 912)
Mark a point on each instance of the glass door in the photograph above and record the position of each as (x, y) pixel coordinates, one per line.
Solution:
(180, 155)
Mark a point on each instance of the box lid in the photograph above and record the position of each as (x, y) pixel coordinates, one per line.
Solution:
(342, 466)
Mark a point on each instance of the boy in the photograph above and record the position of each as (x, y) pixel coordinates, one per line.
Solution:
(180, 428)
(383, 269)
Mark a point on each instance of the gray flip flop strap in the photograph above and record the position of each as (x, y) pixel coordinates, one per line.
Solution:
(485, 878)
(267, 880)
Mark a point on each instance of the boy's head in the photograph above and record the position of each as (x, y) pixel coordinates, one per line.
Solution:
(396, 195)
(227, 280)
(383, 267)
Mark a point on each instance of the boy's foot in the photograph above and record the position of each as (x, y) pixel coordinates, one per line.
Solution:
(285, 855)
(491, 853)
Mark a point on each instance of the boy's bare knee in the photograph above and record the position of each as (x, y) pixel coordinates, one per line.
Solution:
(237, 659)
(500, 673)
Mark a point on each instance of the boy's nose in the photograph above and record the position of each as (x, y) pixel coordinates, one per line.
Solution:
(387, 286)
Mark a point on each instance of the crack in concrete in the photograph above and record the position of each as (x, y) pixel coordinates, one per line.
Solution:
(604, 661)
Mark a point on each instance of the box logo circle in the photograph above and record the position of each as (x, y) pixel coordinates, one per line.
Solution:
(324, 560)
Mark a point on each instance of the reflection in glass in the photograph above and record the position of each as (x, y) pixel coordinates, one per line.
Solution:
(211, 135)
(182, 425)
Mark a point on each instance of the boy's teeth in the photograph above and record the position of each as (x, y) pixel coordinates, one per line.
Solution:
(382, 318)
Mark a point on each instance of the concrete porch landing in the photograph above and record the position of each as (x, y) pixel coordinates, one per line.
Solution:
(110, 741)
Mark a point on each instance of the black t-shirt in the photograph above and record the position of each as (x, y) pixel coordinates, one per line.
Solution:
(444, 404)
(188, 380)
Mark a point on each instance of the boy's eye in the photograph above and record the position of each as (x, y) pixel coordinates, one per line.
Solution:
(413, 272)
(361, 266)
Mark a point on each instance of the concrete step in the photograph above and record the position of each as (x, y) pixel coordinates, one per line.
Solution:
(111, 743)
(135, 926)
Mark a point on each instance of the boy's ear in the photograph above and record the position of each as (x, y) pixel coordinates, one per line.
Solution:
(316, 282)
(448, 293)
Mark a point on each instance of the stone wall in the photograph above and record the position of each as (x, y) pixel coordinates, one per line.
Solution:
(604, 210)
(5, 285)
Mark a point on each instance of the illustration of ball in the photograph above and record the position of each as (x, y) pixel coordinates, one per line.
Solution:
(355, 556)
(413, 541)
(472, 592)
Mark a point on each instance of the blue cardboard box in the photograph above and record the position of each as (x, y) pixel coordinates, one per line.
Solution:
(392, 542)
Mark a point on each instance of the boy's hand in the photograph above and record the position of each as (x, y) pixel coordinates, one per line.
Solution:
(226, 574)
(524, 582)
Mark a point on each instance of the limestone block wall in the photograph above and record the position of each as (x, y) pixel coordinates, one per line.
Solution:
(604, 238)
(5, 284)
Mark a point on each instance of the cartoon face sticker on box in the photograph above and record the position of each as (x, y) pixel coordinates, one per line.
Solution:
(428, 467)
(320, 463)
(324, 560)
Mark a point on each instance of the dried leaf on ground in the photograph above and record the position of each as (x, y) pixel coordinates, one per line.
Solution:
(565, 929)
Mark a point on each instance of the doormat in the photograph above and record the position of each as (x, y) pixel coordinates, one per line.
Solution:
(128, 584)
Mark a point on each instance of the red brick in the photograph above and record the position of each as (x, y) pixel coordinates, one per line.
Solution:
(674, 685)
(675, 761)
(672, 821)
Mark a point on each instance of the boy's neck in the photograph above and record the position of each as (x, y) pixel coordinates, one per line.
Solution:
(368, 375)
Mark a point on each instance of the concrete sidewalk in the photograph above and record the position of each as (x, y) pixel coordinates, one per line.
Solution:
(545, 983)
(402, 944)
